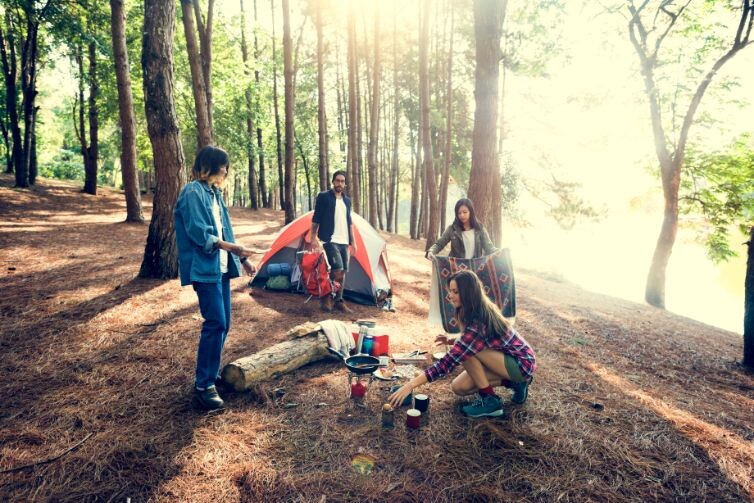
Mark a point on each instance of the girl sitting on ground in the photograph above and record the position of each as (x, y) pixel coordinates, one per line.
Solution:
(491, 352)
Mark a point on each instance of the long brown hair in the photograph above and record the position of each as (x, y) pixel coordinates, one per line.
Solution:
(475, 305)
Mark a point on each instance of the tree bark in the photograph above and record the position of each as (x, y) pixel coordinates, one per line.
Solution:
(429, 169)
(448, 126)
(126, 113)
(392, 207)
(289, 107)
(260, 147)
(374, 119)
(353, 113)
(281, 178)
(203, 125)
(92, 153)
(274, 361)
(250, 131)
(324, 169)
(28, 90)
(205, 48)
(484, 180)
(415, 185)
(81, 133)
(161, 253)
(748, 359)
(10, 74)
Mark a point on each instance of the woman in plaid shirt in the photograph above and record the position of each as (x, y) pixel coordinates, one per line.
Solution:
(491, 352)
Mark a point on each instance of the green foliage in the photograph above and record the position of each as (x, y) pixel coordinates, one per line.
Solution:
(719, 187)
(66, 165)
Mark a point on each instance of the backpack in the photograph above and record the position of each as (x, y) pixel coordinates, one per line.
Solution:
(315, 273)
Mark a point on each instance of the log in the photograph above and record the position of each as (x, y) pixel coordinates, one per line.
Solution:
(276, 360)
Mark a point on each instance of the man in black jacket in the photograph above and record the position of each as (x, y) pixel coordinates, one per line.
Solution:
(332, 229)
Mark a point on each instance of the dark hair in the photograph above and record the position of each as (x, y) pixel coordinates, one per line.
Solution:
(472, 216)
(339, 172)
(475, 305)
(208, 162)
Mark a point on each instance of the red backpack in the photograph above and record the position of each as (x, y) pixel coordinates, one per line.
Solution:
(315, 273)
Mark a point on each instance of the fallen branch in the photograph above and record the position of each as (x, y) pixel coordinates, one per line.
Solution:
(49, 460)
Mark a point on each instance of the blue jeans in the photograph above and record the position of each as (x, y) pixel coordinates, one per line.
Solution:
(214, 304)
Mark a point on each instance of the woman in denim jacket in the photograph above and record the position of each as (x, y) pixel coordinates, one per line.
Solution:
(208, 258)
(467, 237)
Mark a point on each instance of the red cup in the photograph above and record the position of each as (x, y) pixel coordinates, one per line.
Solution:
(413, 418)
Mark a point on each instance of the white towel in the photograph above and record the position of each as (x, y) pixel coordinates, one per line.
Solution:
(338, 336)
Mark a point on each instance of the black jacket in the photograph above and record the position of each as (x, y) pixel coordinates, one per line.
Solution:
(324, 215)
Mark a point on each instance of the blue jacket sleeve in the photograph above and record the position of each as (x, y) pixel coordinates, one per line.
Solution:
(198, 221)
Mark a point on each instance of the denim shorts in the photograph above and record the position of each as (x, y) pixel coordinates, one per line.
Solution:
(337, 255)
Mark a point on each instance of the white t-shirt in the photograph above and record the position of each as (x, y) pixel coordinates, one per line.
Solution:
(219, 224)
(340, 232)
(468, 243)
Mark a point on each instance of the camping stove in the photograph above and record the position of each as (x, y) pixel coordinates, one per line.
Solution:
(358, 384)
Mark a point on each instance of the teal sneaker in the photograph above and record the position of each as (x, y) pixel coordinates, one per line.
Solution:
(484, 406)
(520, 392)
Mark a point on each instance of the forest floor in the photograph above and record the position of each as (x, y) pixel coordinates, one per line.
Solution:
(629, 403)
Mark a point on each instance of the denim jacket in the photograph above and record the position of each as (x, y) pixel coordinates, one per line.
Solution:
(196, 235)
(454, 235)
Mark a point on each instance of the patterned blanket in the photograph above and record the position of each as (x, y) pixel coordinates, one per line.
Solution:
(496, 273)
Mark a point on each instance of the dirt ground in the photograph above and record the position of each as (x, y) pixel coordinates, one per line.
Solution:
(629, 403)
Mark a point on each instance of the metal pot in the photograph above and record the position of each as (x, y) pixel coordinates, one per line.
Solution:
(359, 364)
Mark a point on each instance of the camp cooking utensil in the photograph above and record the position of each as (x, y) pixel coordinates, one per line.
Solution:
(359, 364)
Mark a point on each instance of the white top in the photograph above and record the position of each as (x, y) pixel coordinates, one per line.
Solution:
(219, 224)
(340, 232)
(468, 243)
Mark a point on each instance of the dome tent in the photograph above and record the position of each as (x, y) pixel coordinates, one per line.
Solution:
(368, 280)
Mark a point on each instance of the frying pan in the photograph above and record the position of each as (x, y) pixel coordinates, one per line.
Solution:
(359, 364)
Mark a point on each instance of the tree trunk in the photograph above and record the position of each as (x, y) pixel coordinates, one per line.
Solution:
(340, 93)
(126, 113)
(392, 207)
(654, 293)
(374, 119)
(10, 74)
(281, 178)
(33, 150)
(353, 112)
(81, 130)
(324, 170)
(415, 184)
(161, 253)
(92, 153)
(484, 180)
(748, 360)
(205, 47)
(203, 125)
(29, 93)
(429, 169)
(289, 107)
(260, 147)
(448, 127)
(250, 131)
(276, 360)
(306, 174)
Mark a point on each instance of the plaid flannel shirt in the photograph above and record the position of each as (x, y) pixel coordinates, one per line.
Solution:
(475, 339)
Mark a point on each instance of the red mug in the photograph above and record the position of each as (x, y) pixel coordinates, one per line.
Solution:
(413, 418)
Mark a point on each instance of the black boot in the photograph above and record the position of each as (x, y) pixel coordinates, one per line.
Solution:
(208, 399)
